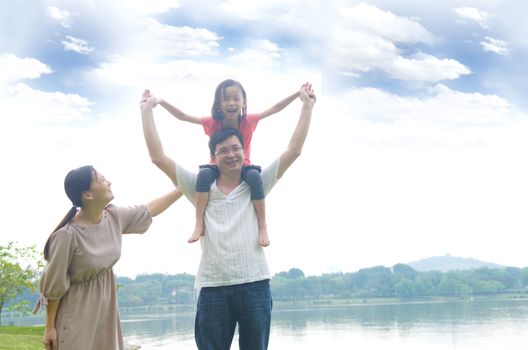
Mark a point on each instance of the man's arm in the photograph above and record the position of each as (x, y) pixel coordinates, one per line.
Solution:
(301, 130)
(279, 106)
(157, 155)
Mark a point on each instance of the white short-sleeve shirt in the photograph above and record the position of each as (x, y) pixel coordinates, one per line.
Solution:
(231, 253)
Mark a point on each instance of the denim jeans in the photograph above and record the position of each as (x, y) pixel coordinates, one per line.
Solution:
(219, 310)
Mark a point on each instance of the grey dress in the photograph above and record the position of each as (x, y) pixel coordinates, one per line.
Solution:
(79, 273)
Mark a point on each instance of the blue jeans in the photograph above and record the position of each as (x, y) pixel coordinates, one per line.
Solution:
(219, 309)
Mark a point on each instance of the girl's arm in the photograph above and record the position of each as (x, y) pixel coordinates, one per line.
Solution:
(279, 106)
(158, 205)
(50, 333)
(179, 114)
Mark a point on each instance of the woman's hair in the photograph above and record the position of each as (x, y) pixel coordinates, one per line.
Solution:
(216, 110)
(76, 183)
(223, 134)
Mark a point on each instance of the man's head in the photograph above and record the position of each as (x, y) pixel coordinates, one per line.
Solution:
(227, 148)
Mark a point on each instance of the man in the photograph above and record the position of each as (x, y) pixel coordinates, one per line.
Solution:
(233, 276)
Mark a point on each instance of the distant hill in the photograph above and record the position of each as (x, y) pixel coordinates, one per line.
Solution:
(447, 262)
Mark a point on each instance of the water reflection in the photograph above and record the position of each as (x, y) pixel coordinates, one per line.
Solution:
(483, 325)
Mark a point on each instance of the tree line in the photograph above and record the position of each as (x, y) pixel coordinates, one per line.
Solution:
(398, 281)
(18, 282)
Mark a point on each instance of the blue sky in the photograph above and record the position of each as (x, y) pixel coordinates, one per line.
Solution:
(416, 147)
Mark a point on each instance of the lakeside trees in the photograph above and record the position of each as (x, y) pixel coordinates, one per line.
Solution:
(400, 281)
(18, 271)
(156, 289)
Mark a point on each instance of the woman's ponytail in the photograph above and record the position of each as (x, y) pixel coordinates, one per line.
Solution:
(75, 184)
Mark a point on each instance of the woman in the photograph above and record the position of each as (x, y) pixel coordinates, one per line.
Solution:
(78, 284)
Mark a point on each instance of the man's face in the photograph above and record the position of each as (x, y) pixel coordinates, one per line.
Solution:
(229, 155)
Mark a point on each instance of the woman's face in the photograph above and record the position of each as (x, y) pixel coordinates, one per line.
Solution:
(100, 188)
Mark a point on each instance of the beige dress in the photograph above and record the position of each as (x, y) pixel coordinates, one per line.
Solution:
(79, 272)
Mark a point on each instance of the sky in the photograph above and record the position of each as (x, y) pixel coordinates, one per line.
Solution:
(417, 146)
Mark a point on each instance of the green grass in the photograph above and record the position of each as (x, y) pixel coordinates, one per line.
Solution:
(21, 338)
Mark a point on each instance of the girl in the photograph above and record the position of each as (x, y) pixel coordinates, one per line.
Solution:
(78, 284)
(229, 110)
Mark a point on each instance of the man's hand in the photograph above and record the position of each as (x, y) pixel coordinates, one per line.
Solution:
(148, 100)
(307, 94)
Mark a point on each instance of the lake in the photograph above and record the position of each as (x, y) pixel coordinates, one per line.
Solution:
(497, 325)
(464, 325)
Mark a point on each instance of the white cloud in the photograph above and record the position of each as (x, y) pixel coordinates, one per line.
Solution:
(360, 51)
(20, 69)
(166, 40)
(138, 72)
(62, 16)
(77, 45)
(158, 6)
(253, 10)
(260, 53)
(423, 67)
(43, 107)
(29, 106)
(370, 19)
(366, 38)
(135, 8)
(482, 18)
(495, 45)
(441, 105)
(141, 72)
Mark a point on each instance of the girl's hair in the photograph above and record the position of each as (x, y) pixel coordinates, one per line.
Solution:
(76, 183)
(216, 110)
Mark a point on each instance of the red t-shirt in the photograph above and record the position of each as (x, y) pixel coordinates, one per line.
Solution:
(247, 126)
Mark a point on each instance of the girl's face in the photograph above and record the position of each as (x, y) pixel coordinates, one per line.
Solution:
(232, 102)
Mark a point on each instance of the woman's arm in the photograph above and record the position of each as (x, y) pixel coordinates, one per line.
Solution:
(50, 333)
(178, 113)
(158, 205)
(279, 106)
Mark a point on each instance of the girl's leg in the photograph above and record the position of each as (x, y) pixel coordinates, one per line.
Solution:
(206, 176)
(251, 175)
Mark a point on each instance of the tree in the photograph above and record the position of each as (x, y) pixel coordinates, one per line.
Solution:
(405, 288)
(19, 268)
(404, 271)
(293, 273)
(379, 281)
(451, 284)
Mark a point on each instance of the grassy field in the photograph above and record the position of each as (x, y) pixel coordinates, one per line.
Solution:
(21, 338)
